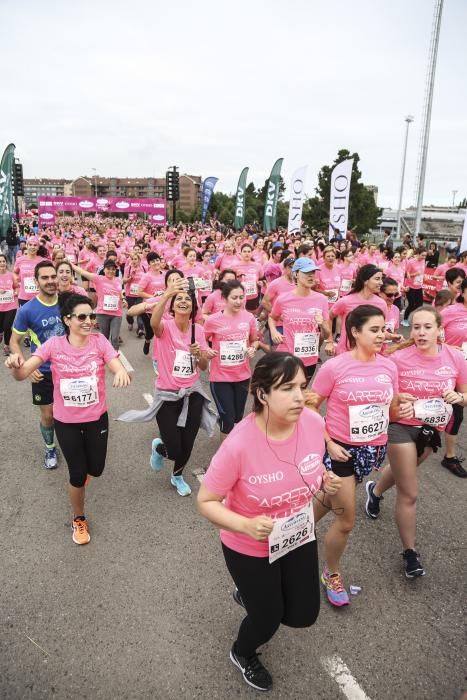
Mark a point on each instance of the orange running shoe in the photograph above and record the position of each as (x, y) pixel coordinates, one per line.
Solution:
(80, 530)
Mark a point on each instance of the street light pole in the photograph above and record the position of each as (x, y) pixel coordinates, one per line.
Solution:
(454, 192)
(408, 120)
(95, 181)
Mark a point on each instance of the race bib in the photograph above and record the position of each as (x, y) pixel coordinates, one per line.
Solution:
(232, 352)
(81, 391)
(333, 295)
(417, 280)
(368, 421)
(134, 289)
(183, 364)
(291, 532)
(30, 286)
(110, 302)
(434, 412)
(346, 286)
(464, 350)
(6, 297)
(198, 282)
(306, 344)
(389, 326)
(207, 286)
(249, 283)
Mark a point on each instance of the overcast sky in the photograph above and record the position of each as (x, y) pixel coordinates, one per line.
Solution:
(131, 88)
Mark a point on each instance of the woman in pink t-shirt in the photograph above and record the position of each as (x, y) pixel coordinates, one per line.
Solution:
(250, 274)
(414, 282)
(328, 278)
(435, 376)
(365, 290)
(134, 270)
(8, 303)
(66, 279)
(360, 388)
(348, 272)
(234, 339)
(303, 315)
(258, 490)
(78, 360)
(389, 292)
(215, 301)
(181, 351)
(396, 271)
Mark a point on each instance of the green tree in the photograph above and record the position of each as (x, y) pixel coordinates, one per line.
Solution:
(363, 212)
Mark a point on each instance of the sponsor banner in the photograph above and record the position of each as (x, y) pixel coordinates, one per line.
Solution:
(272, 197)
(239, 220)
(339, 199)
(6, 193)
(208, 188)
(430, 285)
(156, 208)
(297, 190)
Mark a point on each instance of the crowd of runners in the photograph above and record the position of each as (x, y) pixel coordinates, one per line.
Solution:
(310, 329)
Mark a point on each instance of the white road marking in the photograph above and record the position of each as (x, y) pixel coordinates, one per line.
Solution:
(125, 363)
(37, 645)
(148, 399)
(343, 677)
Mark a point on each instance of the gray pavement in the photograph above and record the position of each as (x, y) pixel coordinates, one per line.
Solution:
(145, 610)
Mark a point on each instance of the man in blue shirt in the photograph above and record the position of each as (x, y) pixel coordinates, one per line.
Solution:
(40, 317)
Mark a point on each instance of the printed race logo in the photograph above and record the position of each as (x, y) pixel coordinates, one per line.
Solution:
(158, 217)
(309, 464)
(46, 216)
(122, 205)
(370, 412)
(102, 202)
(445, 371)
(433, 405)
(85, 204)
(298, 520)
(383, 379)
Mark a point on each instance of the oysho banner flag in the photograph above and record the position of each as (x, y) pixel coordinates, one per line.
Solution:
(272, 196)
(239, 220)
(208, 188)
(6, 193)
(297, 190)
(339, 201)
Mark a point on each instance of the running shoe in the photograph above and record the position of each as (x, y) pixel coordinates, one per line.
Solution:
(140, 333)
(335, 591)
(412, 565)
(50, 459)
(252, 670)
(453, 464)
(372, 501)
(180, 484)
(156, 461)
(405, 323)
(146, 346)
(238, 598)
(130, 328)
(27, 343)
(80, 532)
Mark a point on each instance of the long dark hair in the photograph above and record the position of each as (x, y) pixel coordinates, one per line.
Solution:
(67, 303)
(365, 273)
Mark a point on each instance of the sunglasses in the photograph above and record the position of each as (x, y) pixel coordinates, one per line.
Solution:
(390, 296)
(83, 317)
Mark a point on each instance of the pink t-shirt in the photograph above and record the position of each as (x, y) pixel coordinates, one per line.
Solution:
(417, 268)
(151, 284)
(8, 300)
(108, 292)
(428, 377)
(226, 262)
(348, 274)
(24, 268)
(78, 376)
(177, 369)
(393, 318)
(248, 274)
(132, 287)
(214, 302)
(278, 286)
(454, 320)
(347, 304)
(347, 383)
(260, 476)
(397, 273)
(230, 337)
(300, 317)
(329, 280)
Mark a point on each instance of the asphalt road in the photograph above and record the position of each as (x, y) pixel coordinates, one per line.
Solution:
(145, 610)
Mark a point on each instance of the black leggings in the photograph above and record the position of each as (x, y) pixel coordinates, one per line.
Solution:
(286, 591)
(148, 332)
(178, 442)
(84, 446)
(230, 398)
(132, 301)
(414, 300)
(6, 323)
